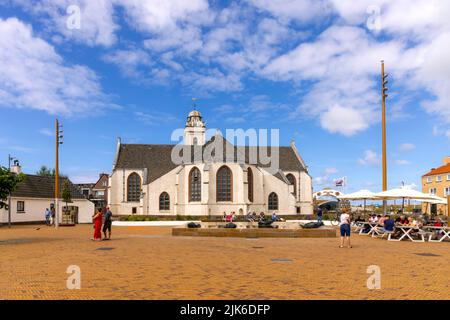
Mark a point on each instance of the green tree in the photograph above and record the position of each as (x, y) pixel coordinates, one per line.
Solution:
(66, 194)
(46, 172)
(8, 184)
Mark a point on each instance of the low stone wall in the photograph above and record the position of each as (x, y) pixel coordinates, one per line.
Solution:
(255, 232)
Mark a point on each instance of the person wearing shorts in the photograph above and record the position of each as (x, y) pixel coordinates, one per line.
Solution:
(107, 223)
(345, 228)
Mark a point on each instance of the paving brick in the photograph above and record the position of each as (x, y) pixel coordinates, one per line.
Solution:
(150, 263)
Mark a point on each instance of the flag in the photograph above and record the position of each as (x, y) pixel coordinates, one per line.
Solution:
(340, 182)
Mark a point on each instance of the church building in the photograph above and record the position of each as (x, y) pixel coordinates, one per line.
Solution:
(213, 177)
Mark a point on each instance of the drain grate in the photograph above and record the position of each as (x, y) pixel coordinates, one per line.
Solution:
(425, 254)
(281, 260)
(105, 248)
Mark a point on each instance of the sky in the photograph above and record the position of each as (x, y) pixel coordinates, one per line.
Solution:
(310, 68)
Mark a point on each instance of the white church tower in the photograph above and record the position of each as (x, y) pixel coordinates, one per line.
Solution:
(194, 132)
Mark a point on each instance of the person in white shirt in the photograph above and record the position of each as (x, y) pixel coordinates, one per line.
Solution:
(345, 228)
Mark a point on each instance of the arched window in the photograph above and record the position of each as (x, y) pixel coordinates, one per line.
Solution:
(195, 141)
(224, 191)
(273, 201)
(250, 184)
(164, 201)
(134, 187)
(293, 181)
(195, 185)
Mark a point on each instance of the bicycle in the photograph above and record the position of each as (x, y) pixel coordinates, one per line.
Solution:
(335, 219)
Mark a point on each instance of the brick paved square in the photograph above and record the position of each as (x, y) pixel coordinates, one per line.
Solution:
(149, 263)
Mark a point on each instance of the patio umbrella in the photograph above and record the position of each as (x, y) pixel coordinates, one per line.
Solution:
(359, 195)
(436, 200)
(404, 193)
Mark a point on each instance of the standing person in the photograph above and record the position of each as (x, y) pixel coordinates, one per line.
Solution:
(107, 223)
(345, 228)
(319, 214)
(52, 216)
(97, 218)
(47, 216)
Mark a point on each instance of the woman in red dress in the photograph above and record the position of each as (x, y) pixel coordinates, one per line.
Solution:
(97, 218)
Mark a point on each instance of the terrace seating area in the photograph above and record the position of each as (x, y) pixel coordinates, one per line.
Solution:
(408, 229)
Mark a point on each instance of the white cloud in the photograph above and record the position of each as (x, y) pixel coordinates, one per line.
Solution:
(97, 26)
(235, 120)
(407, 146)
(370, 158)
(210, 47)
(326, 177)
(298, 10)
(331, 170)
(346, 121)
(47, 132)
(402, 162)
(155, 117)
(34, 76)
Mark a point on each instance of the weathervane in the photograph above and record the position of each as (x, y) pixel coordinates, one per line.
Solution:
(194, 105)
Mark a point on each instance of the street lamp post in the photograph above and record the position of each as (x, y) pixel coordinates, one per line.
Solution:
(383, 125)
(58, 136)
(9, 196)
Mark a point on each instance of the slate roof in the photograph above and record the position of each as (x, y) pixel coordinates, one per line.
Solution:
(43, 187)
(156, 158)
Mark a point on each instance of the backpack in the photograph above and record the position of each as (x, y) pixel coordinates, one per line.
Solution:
(194, 225)
(312, 225)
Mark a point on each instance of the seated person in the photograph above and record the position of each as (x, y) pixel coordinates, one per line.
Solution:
(224, 217)
(438, 232)
(229, 218)
(401, 220)
(249, 217)
(438, 223)
(275, 217)
(381, 220)
(388, 224)
(262, 216)
(412, 222)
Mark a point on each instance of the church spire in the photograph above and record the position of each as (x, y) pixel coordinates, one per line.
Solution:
(194, 132)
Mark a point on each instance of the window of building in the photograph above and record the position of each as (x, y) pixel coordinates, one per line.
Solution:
(293, 181)
(447, 191)
(164, 201)
(134, 187)
(429, 180)
(273, 201)
(438, 178)
(133, 210)
(195, 185)
(20, 206)
(448, 177)
(433, 190)
(100, 193)
(250, 184)
(195, 141)
(86, 192)
(224, 182)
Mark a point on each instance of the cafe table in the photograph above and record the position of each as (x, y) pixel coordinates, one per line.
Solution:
(406, 233)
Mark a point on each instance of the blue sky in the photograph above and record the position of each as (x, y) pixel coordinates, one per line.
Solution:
(309, 68)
